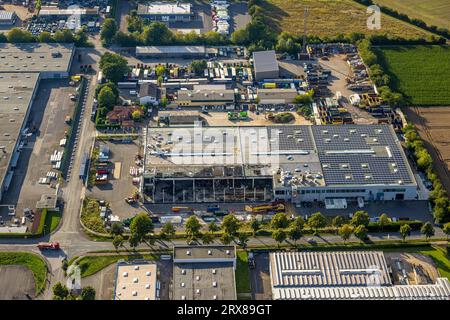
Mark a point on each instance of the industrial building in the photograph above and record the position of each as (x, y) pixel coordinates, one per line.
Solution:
(205, 97)
(166, 11)
(295, 163)
(355, 275)
(277, 96)
(55, 12)
(22, 66)
(7, 18)
(136, 280)
(171, 52)
(204, 273)
(266, 65)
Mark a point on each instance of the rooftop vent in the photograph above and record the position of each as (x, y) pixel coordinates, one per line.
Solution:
(214, 297)
(183, 284)
(148, 273)
(209, 252)
(197, 278)
(214, 284)
(125, 274)
(214, 271)
(188, 253)
(197, 291)
(134, 293)
(135, 280)
(228, 252)
(136, 267)
(183, 298)
(147, 286)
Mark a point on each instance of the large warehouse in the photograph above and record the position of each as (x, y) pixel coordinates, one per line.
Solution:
(295, 163)
(171, 52)
(355, 275)
(204, 273)
(266, 65)
(136, 280)
(22, 66)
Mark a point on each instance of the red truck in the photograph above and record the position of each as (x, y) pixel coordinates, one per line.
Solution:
(48, 246)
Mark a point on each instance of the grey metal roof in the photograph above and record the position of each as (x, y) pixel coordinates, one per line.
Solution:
(6, 15)
(170, 50)
(361, 155)
(328, 269)
(204, 252)
(265, 61)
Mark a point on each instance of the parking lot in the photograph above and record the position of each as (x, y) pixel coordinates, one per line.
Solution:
(16, 282)
(260, 278)
(120, 183)
(51, 106)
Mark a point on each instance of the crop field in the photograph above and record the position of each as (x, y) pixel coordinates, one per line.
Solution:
(420, 72)
(333, 17)
(432, 12)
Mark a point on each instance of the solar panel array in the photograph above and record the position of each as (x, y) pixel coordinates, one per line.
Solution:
(373, 156)
(290, 138)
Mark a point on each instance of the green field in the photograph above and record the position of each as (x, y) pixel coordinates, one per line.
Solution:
(421, 73)
(333, 17)
(90, 265)
(32, 262)
(52, 220)
(242, 273)
(432, 12)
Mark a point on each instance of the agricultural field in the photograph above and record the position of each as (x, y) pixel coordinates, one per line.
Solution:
(419, 72)
(333, 17)
(432, 12)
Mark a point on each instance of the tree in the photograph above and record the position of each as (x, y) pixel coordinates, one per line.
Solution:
(279, 221)
(213, 227)
(45, 37)
(255, 225)
(106, 98)
(207, 238)
(136, 115)
(60, 291)
(193, 227)
(140, 226)
(298, 223)
(317, 221)
(113, 66)
(427, 230)
(279, 235)
(116, 228)
(305, 99)
(157, 33)
(133, 240)
(168, 230)
(16, 35)
(117, 241)
(360, 218)
(108, 30)
(226, 238)
(338, 221)
(345, 232)
(295, 234)
(64, 36)
(384, 220)
(160, 70)
(87, 293)
(361, 232)
(446, 229)
(230, 225)
(240, 37)
(243, 239)
(405, 231)
(198, 66)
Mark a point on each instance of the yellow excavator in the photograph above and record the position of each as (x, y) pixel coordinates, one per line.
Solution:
(265, 208)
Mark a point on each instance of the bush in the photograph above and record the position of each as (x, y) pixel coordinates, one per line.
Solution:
(284, 117)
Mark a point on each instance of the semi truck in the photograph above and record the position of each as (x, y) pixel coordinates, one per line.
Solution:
(48, 245)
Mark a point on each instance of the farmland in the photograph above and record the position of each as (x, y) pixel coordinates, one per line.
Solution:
(332, 17)
(419, 72)
(432, 12)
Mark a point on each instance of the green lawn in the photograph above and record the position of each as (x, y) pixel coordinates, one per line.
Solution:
(242, 273)
(440, 258)
(90, 265)
(420, 72)
(32, 262)
(432, 12)
(332, 17)
(52, 220)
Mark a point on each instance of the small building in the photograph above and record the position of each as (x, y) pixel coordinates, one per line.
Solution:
(204, 273)
(120, 114)
(166, 11)
(171, 52)
(179, 117)
(277, 96)
(266, 65)
(54, 12)
(7, 18)
(148, 93)
(136, 280)
(200, 98)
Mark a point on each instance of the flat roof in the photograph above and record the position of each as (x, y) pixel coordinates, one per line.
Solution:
(55, 11)
(164, 8)
(328, 269)
(204, 281)
(16, 91)
(204, 252)
(206, 95)
(265, 61)
(35, 57)
(310, 155)
(170, 50)
(135, 281)
(7, 15)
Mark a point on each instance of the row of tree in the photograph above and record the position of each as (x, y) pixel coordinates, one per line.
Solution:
(17, 35)
(61, 292)
(438, 195)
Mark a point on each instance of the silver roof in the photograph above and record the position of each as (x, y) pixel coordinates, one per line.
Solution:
(265, 61)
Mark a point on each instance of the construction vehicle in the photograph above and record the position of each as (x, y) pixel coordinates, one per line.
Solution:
(48, 245)
(178, 209)
(133, 198)
(265, 208)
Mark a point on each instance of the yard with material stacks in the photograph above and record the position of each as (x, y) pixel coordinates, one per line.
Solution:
(432, 12)
(332, 17)
(421, 73)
